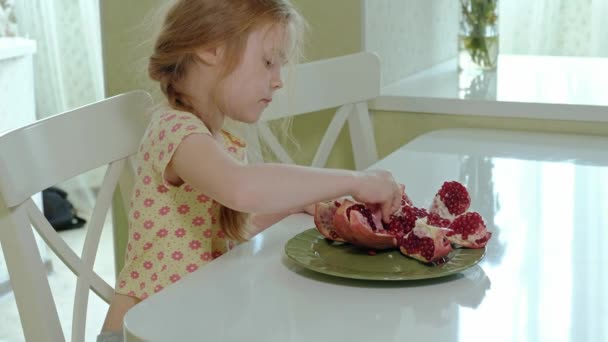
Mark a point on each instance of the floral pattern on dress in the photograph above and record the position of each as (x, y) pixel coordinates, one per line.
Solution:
(173, 230)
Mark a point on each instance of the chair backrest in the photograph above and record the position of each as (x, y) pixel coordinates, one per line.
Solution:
(45, 153)
(345, 82)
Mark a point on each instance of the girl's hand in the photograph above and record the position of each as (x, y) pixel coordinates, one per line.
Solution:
(310, 209)
(377, 187)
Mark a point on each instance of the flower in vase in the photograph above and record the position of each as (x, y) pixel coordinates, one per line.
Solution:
(479, 31)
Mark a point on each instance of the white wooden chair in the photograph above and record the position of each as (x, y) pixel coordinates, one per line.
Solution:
(345, 82)
(45, 153)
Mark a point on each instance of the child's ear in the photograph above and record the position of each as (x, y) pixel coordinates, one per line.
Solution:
(210, 55)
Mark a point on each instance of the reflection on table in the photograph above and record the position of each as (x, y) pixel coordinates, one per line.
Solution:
(543, 197)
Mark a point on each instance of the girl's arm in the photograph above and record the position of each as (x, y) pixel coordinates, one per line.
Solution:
(270, 188)
(263, 221)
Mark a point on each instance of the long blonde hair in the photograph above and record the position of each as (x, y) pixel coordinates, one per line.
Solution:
(193, 24)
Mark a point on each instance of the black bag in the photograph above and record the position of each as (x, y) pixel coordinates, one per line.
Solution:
(59, 211)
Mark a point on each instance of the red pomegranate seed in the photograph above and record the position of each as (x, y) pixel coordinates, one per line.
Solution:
(455, 197)
(467, 224)
(437, 221)
(469, 230)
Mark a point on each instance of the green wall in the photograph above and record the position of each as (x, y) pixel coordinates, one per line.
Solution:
(127, 32)
(335, 29)
(393, 129)
(326, 39)
(127, 36)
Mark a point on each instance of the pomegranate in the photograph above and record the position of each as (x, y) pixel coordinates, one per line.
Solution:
(405, 200)
(424, 236)
(426, 243)
(359, 225)
(451, 200)
(469, 230)
(324, 219)
(435, 220)
(404, 220)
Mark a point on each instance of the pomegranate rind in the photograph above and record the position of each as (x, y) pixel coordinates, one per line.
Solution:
(355, 229)
(341, 222)
(324, 220)
(480, 242)
(364, 236)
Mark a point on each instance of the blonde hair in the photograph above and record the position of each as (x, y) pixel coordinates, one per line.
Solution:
(193, 24)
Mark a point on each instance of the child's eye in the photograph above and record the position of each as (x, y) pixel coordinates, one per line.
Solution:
(268, 63)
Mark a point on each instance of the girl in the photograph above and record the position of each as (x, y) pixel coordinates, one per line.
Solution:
(217, 59)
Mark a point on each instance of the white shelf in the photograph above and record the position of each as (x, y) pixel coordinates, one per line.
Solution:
(11, 47)
(548, 87)
(17, 108)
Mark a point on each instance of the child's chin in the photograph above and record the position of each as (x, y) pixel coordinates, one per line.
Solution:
(251, 118)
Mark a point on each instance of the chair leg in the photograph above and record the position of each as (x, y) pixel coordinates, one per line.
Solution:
(39, 318)
(362, 137)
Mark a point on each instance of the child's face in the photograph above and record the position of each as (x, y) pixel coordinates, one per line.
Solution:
(248, 90)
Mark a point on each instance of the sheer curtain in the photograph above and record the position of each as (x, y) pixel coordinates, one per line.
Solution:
(554, 27)
(599, 28)
(68, 63)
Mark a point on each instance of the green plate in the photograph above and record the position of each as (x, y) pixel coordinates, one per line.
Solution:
(311, 250)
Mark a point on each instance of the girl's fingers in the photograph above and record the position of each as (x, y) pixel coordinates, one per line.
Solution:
(310, 209)
(389, 207)
(397, 200)
(387, 211)
(401, 189)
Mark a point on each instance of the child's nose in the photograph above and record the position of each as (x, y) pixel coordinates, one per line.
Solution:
(276, 82)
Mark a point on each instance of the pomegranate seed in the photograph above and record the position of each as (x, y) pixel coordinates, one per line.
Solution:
(467, 224)
(437, 221)
(469, 230)
(455, 197)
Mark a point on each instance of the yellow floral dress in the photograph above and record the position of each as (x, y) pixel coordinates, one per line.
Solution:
(173, 230)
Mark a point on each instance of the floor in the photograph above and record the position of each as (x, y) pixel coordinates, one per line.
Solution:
(63, 281)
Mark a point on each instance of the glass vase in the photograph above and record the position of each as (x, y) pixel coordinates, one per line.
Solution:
(478, 35)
